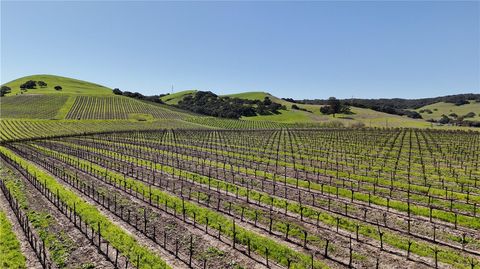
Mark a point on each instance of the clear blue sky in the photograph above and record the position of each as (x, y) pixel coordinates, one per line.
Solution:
(291, 49)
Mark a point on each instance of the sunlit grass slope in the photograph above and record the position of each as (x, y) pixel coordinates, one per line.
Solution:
(174, 98)
(441, 108)
(69, 86)
(368, 117)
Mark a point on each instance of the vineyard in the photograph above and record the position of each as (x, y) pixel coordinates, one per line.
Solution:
(32, 106)
(115, 107)
(276, 198)
(14, 130)
(249, 124)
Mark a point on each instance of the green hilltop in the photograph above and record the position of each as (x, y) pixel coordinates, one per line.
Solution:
(78, 100)
(69, 86)
(174, 98)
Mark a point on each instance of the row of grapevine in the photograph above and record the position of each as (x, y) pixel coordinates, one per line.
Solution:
(14, 130)
(31, 106)
(116, 107)
(356, 198)
(249, 124)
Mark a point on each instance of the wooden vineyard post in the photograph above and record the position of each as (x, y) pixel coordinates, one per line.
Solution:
(380, 233)
(191, 251)
(270, 224)
(410, 242)
(75, 214)
(305, 237)
(326, 248)
(287, 231)
(145, 220)
(266, 256)
(99, 236)
(350, 250)
(435, 251)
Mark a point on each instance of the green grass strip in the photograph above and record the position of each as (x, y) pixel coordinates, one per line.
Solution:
(11, 255)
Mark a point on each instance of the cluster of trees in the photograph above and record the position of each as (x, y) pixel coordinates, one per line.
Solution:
(428, 111)
(399, 106)
(208, 103)
(295, 107)
(137, 95)
(4, 90)
(455, 119)
(32, 84)
(291, 100)
(397, 111)
(335, 106)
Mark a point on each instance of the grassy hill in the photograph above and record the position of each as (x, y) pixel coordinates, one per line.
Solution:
(441, 108)
(80, 107)
(77, 100)
(368, 117)
(88, 107)
(118, 107)
(69, 86)
(174, 98)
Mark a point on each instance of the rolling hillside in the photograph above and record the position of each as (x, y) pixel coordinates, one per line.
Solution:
(441, 108)
(77, 100)
(80, 107)
(368, 117)
(89, 107)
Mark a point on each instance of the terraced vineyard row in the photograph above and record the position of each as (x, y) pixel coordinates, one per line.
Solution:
(116, 107)
(31, 106)
(14, 130)
(279, 198)
(248, 124)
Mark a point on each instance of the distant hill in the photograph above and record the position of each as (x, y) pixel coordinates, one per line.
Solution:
(401, 103)
(436, 110)
(82, 100)
(77, 100)
(399, 106)
(310, 113)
